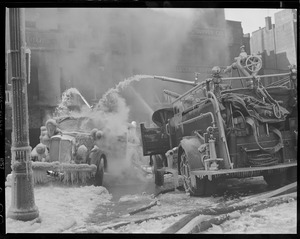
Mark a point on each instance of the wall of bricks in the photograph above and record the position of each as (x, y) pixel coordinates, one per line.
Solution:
(277, 45)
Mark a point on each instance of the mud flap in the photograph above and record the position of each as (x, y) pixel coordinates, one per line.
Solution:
(158, 173)
(190, 145)
(193, 181)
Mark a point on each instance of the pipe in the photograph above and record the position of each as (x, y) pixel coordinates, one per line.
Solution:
(175, 80)
(171, 93)
(251, 77)
(84, 100)
(223, 78)
(199, 117)
(221, 130)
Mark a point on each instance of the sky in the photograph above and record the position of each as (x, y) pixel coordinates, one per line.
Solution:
(251, 19)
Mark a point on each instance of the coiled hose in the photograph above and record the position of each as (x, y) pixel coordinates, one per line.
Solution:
(259, 160)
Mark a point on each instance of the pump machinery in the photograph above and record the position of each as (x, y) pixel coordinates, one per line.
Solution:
(215, 131)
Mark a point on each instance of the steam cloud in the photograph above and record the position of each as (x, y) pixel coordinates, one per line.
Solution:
(110, 45)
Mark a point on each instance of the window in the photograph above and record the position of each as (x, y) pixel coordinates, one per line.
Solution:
(8, 97)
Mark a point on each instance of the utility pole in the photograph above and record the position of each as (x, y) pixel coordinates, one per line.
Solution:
(22, 196)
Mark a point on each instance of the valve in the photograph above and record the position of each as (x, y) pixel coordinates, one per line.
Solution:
(253, 63)
(210, 130)
(215, 72)
(293, 72)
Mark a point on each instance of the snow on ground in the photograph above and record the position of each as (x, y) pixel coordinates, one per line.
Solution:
(281, 219)
(150, 226)
(59, 208)
(69, 210)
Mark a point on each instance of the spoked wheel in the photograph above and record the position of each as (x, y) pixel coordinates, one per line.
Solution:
(253, 63)
(158, 174)
(185, 171)
(100, 172)
(202, 187)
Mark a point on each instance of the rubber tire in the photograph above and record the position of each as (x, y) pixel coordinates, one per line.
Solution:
(158, 175)
(100, 172)
(291, 175)
(204, 187)
(275, 179)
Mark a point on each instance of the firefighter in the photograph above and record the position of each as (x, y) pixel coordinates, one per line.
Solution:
(243, 55)
(97, 135)
(48, 131)
(39, 153)
(81, 156)
(95, 152)
(132, 133)
(52, 128)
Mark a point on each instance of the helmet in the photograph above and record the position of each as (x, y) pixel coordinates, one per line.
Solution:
(133, 124)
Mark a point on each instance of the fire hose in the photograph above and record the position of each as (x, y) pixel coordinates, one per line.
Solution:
(265, 159)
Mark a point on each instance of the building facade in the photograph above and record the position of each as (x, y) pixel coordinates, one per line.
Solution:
(276, 43)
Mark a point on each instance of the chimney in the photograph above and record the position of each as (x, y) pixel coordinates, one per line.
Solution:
(268, 23)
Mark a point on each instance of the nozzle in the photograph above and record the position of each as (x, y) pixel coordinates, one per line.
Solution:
(171, 93)
(174, 80)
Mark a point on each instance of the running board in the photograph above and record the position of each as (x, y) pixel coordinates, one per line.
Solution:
(242, 172)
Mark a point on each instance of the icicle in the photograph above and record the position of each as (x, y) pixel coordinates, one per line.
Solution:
(39, 176)
(80, 177)
(66, 177)
(28, 53)
(27, 169)
(72, 177)
(84, 176)
(69, 177)
(77, 177)
(35, 177)
(25, 153)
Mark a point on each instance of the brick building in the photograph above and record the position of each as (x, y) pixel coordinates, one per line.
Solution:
(93, 52)
(276, 43)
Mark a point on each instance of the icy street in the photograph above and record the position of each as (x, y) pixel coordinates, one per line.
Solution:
(89, 209)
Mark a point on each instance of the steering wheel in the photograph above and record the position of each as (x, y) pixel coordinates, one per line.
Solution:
(253, 63)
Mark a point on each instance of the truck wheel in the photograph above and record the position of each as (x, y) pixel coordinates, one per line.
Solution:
(100, 172)
(158, 175)
(291, 175)
(199, 190)
(275, 179)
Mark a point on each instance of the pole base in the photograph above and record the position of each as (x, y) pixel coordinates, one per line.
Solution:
(23, 215)
(22, 205)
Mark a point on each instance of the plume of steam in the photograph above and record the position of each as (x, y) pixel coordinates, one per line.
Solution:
(145, 42)
(110, 98)
(111, 112)
(111, 115)
(114, 110)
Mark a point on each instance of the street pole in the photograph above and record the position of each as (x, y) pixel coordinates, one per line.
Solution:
(22, 196)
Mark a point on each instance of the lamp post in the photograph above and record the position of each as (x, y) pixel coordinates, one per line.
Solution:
(22, 196)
